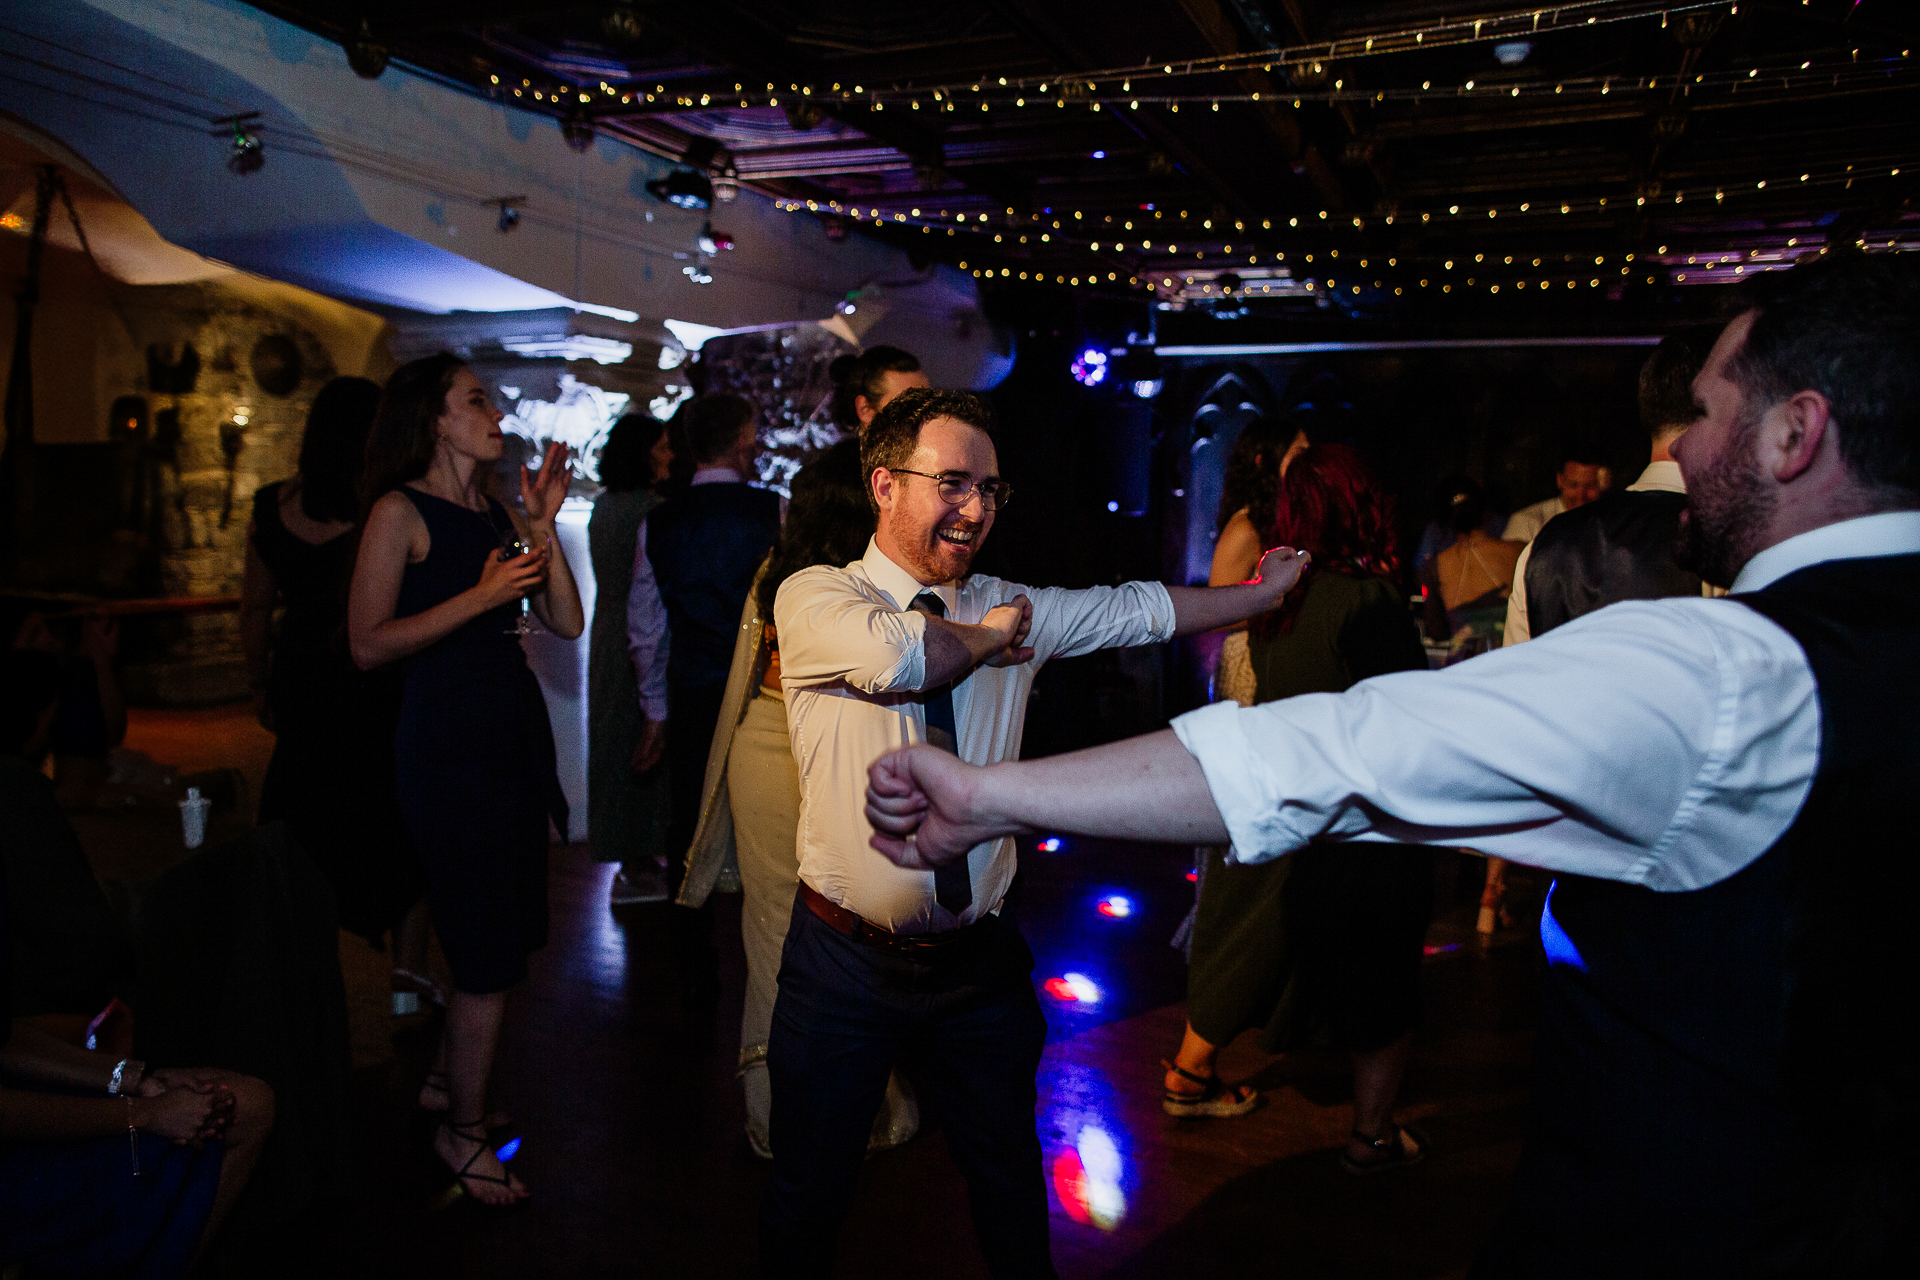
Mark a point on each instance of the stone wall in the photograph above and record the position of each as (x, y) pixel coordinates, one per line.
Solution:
(217, 435)
(209, 392)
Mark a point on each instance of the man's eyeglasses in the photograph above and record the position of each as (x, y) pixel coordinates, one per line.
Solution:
(955, 490)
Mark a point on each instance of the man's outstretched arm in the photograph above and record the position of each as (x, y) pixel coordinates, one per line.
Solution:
(928, 808)
(1197, 609)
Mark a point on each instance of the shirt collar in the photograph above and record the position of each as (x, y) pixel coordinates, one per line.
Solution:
(1890, 533)
(717, 475)
(901, 586)
(1662, 477)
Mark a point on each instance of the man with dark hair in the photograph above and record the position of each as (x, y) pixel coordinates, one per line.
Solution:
(1721, 1073)
(906, 644)
(1582, 478)
(694, 564)
(864, 383)
(1620, 546)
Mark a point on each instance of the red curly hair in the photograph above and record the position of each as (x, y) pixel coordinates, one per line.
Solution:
(1330, 504)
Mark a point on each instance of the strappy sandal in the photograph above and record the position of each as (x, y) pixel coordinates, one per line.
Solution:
(1395, 1149)
(436, 1082)
(476, 1133)
(1215, 1100)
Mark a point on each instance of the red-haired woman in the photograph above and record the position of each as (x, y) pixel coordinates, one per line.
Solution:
(1323, 946)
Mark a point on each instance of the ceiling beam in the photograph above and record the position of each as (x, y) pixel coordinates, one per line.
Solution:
(1211, 21)
(727, 36)
(1043, 30)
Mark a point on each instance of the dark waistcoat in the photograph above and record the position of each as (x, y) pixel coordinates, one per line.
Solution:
(1618, 547)
(704, 547)
(1724, 1079)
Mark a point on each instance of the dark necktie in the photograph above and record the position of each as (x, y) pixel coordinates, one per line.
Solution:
(952, 884)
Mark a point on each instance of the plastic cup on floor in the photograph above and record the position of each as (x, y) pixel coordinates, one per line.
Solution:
(193, 817)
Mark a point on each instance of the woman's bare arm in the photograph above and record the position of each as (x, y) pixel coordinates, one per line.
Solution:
(1236, 553)
(394, 537)
(258, 592)
(557, 601)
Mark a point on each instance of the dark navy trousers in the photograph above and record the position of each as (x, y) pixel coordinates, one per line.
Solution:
(962, 1022)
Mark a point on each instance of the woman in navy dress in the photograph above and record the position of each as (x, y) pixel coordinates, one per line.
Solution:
(434, 585)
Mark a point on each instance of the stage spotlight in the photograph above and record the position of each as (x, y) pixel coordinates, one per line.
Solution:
(243, 148)
(1090, 367)
(509, 207)
(367, 56)
(684, 188)
(1512, 53)
(577, 129)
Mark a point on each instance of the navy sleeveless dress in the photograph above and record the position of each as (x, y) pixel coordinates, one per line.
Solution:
(331, 775)
(475, 762)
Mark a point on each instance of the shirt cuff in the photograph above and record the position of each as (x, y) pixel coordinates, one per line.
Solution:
(1215, 736)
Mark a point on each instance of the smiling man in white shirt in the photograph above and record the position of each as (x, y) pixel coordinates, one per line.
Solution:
(882, 963)
(1722, 1063)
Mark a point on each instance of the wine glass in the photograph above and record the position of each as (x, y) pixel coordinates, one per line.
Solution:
(514, 546)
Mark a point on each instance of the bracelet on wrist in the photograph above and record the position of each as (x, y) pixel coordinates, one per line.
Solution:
(127, 1074)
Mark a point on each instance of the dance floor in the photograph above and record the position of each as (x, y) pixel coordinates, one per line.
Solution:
(631, 1119)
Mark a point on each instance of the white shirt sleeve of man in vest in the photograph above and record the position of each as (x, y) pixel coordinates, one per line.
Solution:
(1666, 743)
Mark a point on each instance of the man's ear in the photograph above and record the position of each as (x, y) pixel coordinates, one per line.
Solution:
(1794, 433)
(863, 409)
(882, 483)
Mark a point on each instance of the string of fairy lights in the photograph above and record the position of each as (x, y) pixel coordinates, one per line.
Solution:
(1083, 88)
(1140, 249)
(1853, 74)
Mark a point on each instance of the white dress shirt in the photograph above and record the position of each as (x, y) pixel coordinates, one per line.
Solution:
(1659, 477)
(1659, 742)
(647, 641)
(1525, 524)
(852, 660)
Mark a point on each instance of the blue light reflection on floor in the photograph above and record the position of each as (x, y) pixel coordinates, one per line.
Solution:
(1086, 1147)
(1057, 903)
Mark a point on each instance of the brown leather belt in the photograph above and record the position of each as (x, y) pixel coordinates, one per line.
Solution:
(860, 929)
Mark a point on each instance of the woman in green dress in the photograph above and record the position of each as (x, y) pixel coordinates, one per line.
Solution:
(626, 784)
(1324, 946)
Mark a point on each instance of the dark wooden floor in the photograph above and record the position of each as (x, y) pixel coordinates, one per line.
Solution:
(632, 1120)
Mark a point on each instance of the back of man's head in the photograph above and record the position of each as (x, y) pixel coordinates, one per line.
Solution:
(894, 433)
(1848, 327)
(865, 375)
(1666, 384)
(715, 425)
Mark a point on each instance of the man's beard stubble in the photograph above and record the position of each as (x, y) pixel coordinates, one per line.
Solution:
(922, 561)
(1728, 508)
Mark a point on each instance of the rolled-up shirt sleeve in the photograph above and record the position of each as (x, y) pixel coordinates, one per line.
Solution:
(1649, 743)
(647, 639)
(1068, 623)
(830, 630)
